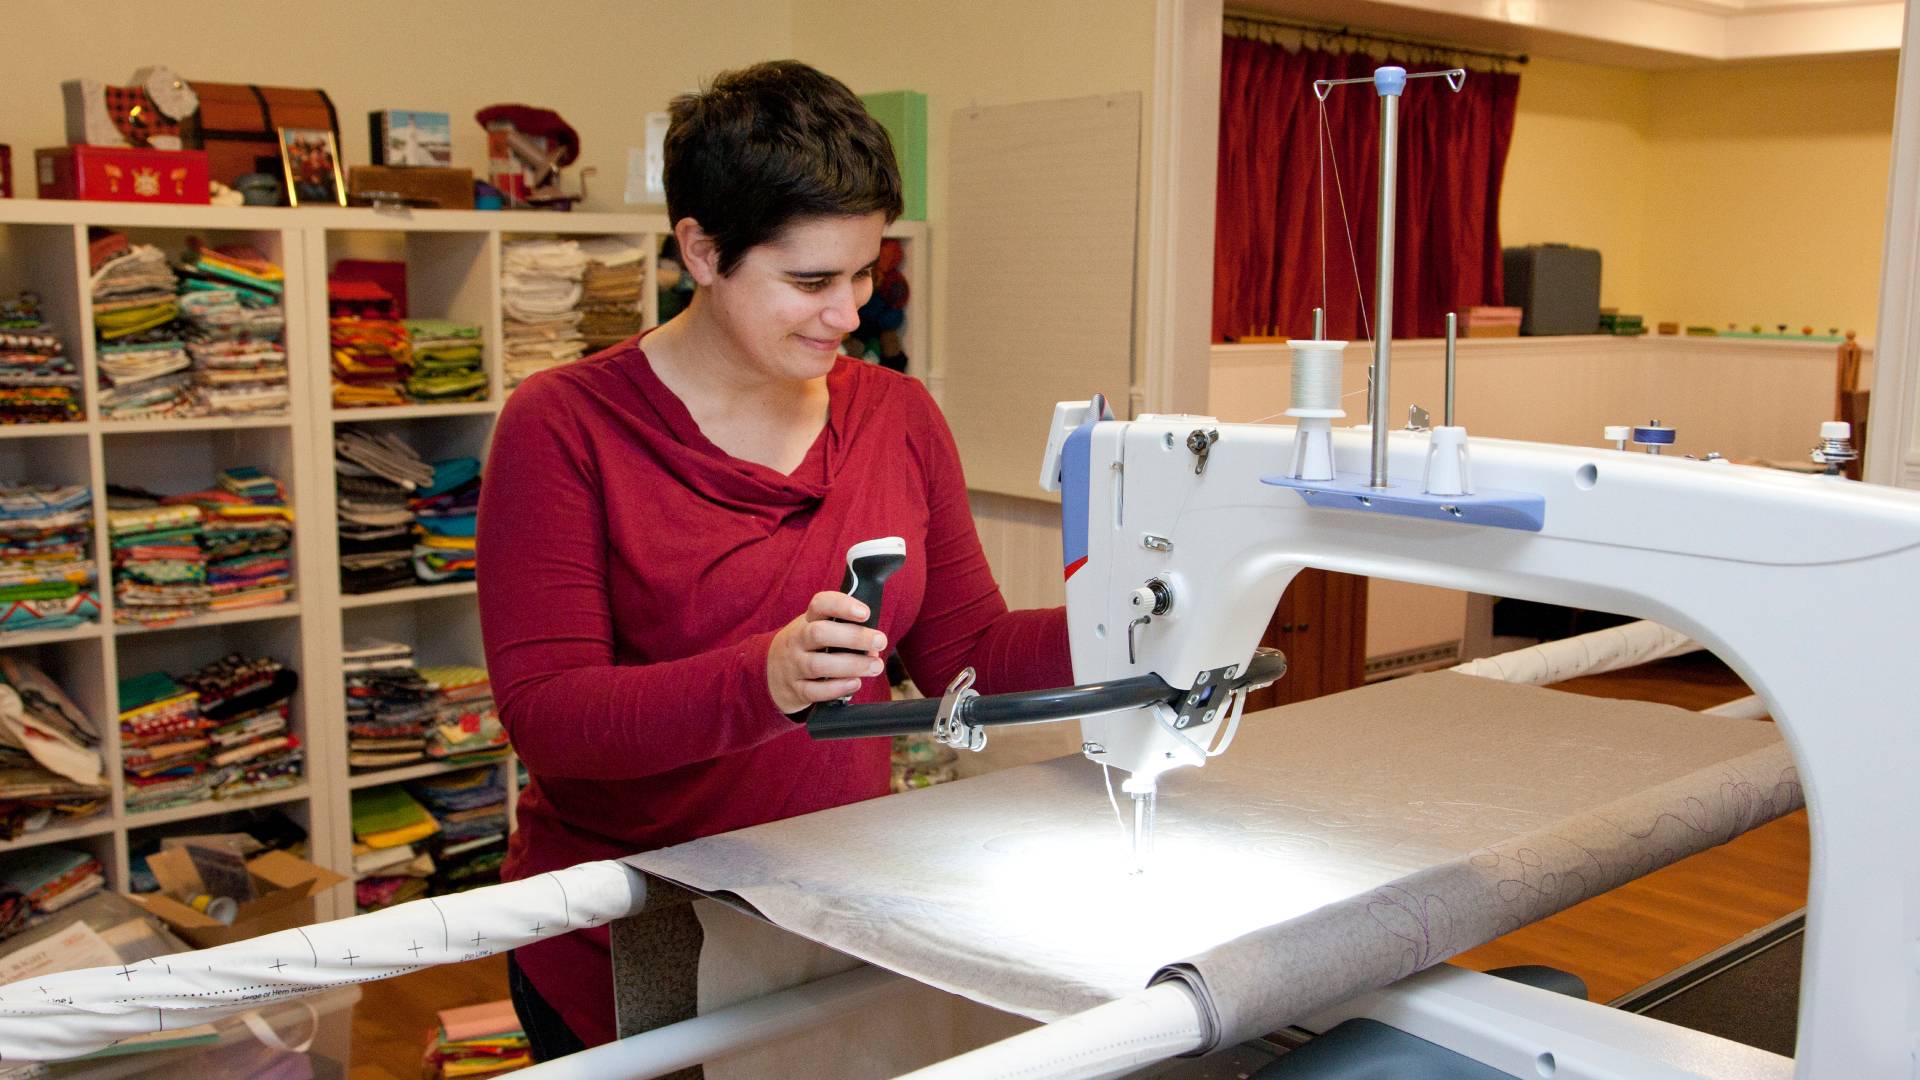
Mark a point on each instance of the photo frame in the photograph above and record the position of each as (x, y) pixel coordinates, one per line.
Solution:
(311, 161)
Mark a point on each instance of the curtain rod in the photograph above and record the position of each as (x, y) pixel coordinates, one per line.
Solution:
(1369, 35)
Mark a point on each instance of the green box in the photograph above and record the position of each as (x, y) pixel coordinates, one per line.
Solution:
(904, 114)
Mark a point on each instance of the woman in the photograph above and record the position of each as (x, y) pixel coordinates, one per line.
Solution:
(662, 526)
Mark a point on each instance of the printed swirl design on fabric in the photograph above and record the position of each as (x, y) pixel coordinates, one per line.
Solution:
(1422, 921)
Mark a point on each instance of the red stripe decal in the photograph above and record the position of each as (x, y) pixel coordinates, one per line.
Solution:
(1074, 566)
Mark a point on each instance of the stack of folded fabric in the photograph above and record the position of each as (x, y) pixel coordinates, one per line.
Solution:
(246, 538)
(39, 383)
(159, 568)
(446, 515)
(471, 808)
(375, 654)
(51, 772)
(233, 336)
(164, 748)
(377, 475)
(372, 359)
(47, 879)
(476, 1042)
(447, 362)
(385, 818)
(465, 729)
(143, 359)
(610, 291)
(388, 713)
(253, 747)
(47, 573)
(540, 290)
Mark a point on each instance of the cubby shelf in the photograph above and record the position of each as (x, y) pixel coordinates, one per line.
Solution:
(454, 268)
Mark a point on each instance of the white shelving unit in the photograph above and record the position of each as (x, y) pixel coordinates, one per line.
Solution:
(453, 271)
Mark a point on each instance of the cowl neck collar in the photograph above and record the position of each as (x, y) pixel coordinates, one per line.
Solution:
(705, 467)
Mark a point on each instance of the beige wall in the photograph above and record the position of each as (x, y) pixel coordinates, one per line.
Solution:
(984, 52)
(601, 64)
(1770, 192)
(1749, 193)
(1580, 172)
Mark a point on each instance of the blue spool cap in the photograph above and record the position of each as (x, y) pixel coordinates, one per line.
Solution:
(1654, 436)
(1389, 81)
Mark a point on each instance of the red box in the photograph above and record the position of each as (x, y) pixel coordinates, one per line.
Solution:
(122, 174)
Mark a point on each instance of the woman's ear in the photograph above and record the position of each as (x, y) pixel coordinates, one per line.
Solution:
(698, 252)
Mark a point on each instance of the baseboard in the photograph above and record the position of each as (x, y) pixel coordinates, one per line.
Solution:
(1409, 661)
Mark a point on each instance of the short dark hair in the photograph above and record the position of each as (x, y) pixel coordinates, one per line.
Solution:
(770, 143)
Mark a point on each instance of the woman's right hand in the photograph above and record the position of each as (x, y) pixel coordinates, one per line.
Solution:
(801, 673)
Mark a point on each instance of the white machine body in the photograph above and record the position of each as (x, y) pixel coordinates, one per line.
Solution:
(1808, 586)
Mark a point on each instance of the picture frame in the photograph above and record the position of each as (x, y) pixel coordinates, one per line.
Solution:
(311, 160)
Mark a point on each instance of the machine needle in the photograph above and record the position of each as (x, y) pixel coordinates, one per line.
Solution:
(1142, 830)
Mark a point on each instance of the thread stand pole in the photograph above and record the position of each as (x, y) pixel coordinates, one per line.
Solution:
(1453, 337)
(1383, 281)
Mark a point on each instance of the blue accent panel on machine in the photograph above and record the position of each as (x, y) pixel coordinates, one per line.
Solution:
(1521, 510)
(1076, 482)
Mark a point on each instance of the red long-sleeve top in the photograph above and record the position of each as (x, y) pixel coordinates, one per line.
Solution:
(632, 575)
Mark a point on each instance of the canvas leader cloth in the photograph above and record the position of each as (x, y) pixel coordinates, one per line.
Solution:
(1357, 838)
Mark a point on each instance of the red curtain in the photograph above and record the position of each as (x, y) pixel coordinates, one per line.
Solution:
(1267, 217)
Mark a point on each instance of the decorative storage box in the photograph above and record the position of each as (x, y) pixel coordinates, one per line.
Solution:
(239, 124)
(122, 174)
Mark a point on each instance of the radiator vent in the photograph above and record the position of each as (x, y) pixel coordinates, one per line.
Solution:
(1412, 660)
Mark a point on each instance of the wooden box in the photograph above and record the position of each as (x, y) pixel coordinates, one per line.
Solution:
(438, 189)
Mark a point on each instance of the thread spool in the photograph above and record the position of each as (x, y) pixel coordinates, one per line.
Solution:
(1316, 378)
(1315, 404)
(221, 909)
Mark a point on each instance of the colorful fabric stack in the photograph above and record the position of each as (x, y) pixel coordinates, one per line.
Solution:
(45, 879)
(164, 748)
(143, 359)
(385, 818)
(471, 809)
(540, 290)
(389, 711)
(447, 362)
(476, 1042)
(48, 579)
(230, 301)
(159, 568)
(465, 729)
(246, 536)
(376, 476)
(610, 291)
(249, 702)
(446, 515)
(39, 383)
(51, 772)
(373, 354)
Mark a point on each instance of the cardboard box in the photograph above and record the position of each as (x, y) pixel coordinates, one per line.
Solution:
(122, 174)
(286, 886)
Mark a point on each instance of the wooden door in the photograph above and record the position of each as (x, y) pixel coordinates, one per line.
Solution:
(1321, 625)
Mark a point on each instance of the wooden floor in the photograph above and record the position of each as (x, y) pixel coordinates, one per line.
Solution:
(1616, 942)
(394, 1017)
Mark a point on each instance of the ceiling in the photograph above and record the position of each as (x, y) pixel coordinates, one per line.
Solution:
(1628, 33)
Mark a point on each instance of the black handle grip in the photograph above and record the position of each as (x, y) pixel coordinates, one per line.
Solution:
(869, 564)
